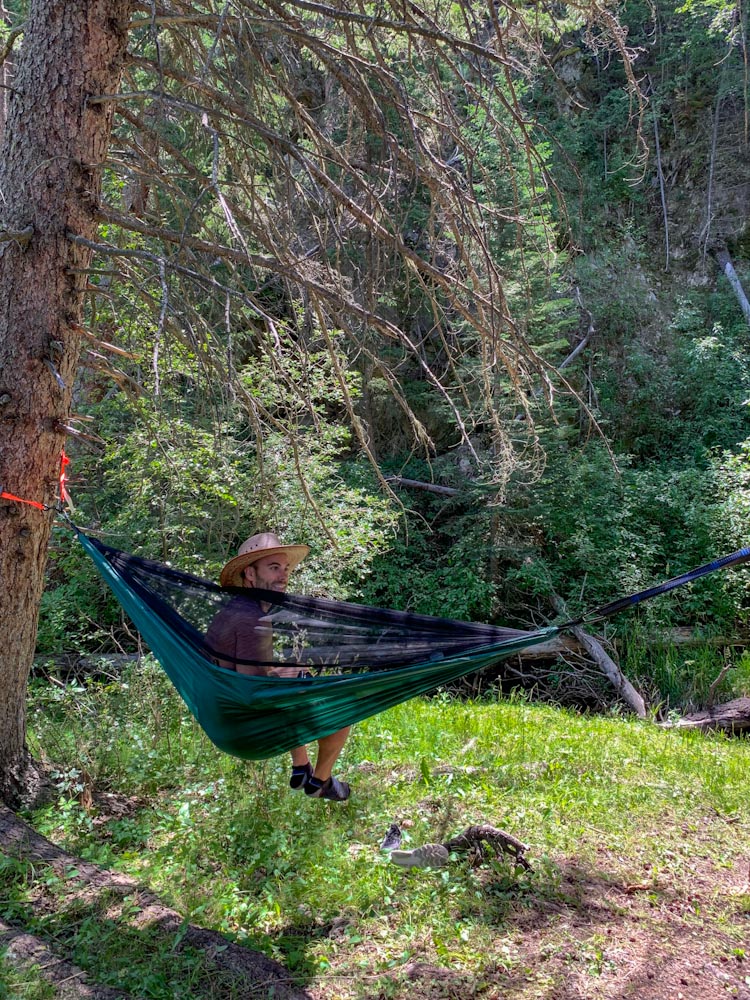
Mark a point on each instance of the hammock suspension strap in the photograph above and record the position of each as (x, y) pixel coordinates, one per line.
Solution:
(614, 607)
(63, 496)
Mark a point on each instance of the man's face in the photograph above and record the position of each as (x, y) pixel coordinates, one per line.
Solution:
(268, 573)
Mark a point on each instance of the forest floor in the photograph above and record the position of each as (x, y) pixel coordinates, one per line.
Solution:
(681, 932)
(672, 937)
(167, 870)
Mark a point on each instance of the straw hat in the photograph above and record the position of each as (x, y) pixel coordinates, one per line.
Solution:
(258, 547)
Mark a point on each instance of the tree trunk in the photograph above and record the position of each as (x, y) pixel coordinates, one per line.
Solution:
(725, 263)
(53, 148)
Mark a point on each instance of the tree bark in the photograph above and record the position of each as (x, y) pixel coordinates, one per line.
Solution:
(53, 148)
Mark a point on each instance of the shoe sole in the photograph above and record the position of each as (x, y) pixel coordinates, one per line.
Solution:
(426, 856)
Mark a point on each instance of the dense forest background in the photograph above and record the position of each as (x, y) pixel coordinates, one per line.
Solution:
(496, 273)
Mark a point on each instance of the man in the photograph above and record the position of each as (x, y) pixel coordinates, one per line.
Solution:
(242, 639)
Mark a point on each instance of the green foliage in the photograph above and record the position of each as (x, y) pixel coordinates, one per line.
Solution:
(103, 751)
(678, 681)
(635, 527)
(191, 499)
(439, 562)
(684, 398)
(440, 572)
(78, 613)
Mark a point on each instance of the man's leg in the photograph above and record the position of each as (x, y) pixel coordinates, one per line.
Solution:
(329, 748)
(301, 768)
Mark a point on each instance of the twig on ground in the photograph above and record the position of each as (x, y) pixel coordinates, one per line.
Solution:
(473, 838)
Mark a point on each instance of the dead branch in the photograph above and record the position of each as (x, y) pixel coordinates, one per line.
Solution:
(285, 195)
(474, 837)
(103, 344)
(415, 484)
(660, 175)
(163, 235)
(715, 684)
(606, 664)
(725, 263)
(174, 20)
(705, 235)
(92, 440)
(410, 27)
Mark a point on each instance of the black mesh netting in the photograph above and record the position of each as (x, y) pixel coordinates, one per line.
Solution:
(298, 633)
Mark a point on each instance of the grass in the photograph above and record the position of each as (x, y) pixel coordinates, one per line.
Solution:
(623, 820)
(25, 985)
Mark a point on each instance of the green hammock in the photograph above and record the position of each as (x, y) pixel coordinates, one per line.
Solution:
(349, 661)
(259, 717)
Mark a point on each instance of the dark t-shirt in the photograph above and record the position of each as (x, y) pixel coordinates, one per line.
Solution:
(241, 631)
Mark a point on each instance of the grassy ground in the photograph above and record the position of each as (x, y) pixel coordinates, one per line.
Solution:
(639, 839)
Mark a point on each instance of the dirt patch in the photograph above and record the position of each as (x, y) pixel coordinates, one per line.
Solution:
(660, 938)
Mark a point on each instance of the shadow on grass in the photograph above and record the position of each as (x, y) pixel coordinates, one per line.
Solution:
(513, 897)
(97, 936)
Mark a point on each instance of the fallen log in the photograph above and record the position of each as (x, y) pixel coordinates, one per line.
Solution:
(732, 717)
(418, 484)
(75, 664)
(606, 664)
(82, 665)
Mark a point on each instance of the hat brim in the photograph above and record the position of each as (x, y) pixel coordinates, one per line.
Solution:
(231, 575)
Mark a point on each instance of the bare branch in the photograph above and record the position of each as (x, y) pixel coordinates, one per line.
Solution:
(21, 236)
(10, 41)
(446, 491)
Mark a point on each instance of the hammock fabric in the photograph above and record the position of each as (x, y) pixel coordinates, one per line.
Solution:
(337, 663)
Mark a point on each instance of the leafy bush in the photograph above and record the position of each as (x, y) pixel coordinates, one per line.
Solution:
(604, 533)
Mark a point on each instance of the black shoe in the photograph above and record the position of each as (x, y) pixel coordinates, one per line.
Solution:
(392, 838)
(300, 776)
(333, 789)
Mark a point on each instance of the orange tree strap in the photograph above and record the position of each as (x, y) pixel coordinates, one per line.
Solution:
(64, 496)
